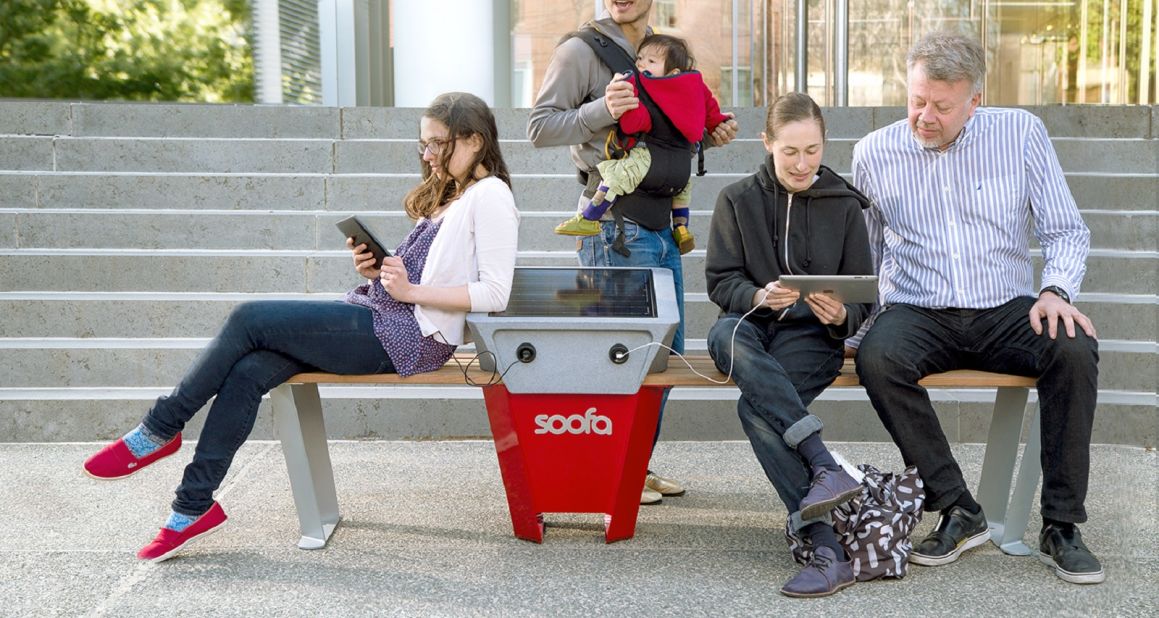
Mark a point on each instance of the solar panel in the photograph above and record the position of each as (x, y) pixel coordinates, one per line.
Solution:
(581, 292)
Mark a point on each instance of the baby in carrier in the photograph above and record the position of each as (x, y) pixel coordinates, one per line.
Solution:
(668, 83)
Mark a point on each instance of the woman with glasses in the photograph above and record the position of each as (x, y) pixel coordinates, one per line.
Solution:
(407, 319)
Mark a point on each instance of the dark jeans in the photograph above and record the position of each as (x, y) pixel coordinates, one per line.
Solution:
(907, 343)
(650, 248)
(261, 345)
(780, 370)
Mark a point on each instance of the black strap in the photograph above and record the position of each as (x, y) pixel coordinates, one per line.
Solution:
(609, 52)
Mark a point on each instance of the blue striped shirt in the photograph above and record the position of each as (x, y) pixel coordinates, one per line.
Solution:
(952, 228)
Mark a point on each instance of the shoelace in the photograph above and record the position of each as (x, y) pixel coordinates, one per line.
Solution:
(821, 562)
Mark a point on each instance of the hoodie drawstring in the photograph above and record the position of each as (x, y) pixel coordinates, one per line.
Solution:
(808, 236)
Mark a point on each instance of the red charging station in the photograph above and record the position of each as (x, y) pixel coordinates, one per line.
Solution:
(572, 421)
(571, 453)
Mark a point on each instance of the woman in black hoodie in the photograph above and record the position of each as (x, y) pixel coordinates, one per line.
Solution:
(794, 216)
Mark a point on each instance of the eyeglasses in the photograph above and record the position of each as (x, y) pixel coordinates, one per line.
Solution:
(434, 146)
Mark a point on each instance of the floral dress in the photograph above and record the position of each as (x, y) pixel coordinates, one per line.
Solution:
(394, 321)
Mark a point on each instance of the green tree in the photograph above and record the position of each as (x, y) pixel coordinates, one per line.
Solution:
(140, 50)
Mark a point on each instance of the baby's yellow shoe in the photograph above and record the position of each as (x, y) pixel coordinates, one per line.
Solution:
(684, 239)
(578, 226)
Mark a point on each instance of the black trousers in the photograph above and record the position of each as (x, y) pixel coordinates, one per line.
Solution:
(907, 343)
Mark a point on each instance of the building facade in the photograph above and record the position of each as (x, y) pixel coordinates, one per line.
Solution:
(1040, 52)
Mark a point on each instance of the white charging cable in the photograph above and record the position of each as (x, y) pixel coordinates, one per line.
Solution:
(731, 345)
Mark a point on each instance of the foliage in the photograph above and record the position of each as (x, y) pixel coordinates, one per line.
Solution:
(142, 50)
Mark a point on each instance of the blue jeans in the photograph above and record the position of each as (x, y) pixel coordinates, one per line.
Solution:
(780, 369)
(650, 248)
(907, 343)
(260, 346)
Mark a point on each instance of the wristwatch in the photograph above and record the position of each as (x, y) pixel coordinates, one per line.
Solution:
(1057, 291)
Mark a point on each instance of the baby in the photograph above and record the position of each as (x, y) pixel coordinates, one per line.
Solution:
(679, 93)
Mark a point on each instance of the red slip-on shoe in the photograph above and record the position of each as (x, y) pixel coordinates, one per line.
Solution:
(116, 461)
(169, 542)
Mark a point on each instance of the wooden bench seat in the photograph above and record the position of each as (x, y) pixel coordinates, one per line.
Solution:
(678, 374)
(298, 420)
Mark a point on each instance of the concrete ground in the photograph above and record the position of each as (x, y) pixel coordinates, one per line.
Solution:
(426, 532)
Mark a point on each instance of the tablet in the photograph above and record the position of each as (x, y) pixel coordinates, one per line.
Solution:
(353, 228)
(845, 288)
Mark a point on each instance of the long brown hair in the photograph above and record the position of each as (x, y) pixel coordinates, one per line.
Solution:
(465, 115)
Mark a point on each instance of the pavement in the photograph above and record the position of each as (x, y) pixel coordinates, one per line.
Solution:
(426, 532)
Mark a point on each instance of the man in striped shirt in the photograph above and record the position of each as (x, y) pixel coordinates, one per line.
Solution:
(955, 192)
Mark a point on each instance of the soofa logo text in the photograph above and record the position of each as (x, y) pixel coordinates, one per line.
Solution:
(588, 422)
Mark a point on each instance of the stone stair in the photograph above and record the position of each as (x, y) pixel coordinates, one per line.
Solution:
(128, 231)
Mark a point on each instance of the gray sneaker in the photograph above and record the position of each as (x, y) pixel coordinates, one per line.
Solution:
(824, 575)
(1063, 549)
(829, 489)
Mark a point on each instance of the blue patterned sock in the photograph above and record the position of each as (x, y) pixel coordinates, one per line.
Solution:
(178, 522)
(142, 442)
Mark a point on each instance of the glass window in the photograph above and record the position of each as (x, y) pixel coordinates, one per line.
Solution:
(744, 90)
(664, 14)
(1040, 52)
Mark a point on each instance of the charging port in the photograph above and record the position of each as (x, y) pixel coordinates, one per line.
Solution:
(525, 352)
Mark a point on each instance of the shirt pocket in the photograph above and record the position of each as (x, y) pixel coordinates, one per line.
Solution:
(997, 207)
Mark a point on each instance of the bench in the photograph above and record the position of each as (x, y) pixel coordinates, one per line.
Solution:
(297, 409)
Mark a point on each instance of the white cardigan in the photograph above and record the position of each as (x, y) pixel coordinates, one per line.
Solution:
(475, 246)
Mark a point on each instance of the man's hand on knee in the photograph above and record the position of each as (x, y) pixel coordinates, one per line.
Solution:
(1053, 308)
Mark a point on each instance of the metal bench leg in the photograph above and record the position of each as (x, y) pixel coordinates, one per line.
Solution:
(298, 422)
(1008, 515)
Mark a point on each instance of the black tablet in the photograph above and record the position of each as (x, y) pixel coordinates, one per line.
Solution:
(353, 228)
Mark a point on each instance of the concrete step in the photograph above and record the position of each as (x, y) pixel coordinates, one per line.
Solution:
(418, 413)
(186, 155)
(49, 362)
(303, 230)
(182, 191)
(1116, 317)
(216, 155)
(1113, 272)
(211, 120)
(161, 315)
(384, 191)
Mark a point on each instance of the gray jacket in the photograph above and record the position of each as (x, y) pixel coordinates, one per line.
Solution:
(570, 109)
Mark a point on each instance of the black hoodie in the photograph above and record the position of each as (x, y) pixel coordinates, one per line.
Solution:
(748, 246)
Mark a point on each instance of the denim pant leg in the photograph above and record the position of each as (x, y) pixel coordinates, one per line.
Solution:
(905, 344)
(1067, 370)
(773, 402)
(649, 248)
(260, 346)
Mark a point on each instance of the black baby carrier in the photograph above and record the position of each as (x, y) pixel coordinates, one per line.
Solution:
(650, 205)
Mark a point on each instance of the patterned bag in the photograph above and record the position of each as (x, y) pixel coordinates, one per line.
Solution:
(875, 526)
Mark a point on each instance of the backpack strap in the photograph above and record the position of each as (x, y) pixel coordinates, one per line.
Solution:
(608, 51)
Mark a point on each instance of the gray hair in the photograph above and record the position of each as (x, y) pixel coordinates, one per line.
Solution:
(949, 57)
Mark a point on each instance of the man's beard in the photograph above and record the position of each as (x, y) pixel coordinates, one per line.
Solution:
(925, 142)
